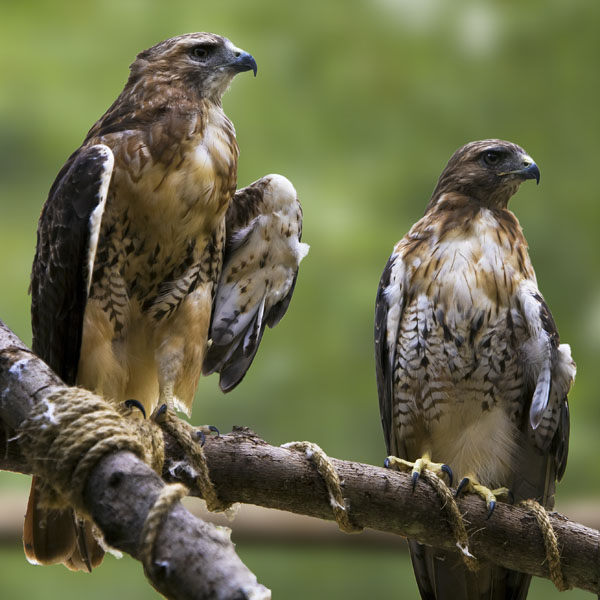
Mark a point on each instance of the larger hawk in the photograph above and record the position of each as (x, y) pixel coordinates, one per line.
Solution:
(146, 251)
(470, 371)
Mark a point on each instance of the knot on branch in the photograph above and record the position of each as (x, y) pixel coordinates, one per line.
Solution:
(69, 431)
(332, 481)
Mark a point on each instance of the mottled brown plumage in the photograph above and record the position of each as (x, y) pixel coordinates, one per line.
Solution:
(469, 368)
(132, 239)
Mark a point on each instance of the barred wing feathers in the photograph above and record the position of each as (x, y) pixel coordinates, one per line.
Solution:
(262, 255)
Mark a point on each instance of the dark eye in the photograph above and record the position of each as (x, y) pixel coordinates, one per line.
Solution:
(200, 52)
(491, 158)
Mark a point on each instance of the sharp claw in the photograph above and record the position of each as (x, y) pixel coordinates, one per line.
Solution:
(137, 404)
(461, 486)
(446, 469)
(511, 497)
(415, 478)
(200, 435)
(491, 506)
(160, 411)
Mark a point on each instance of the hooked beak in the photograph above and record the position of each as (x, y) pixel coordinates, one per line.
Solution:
(531, 171)
(527, 170)
(245, 62)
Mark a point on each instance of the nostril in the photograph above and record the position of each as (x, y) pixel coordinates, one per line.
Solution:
(238, 54)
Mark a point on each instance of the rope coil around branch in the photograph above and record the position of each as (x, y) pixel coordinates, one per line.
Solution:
(550, 543)
(332, 481)
(77, 429)
(168, 496)
(185, 434)
(455, 519)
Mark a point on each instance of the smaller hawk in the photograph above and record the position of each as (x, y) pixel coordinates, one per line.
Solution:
(150, 267)
(471, 376)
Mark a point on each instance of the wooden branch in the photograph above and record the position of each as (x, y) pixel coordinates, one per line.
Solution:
(246, 469)
(192, 559)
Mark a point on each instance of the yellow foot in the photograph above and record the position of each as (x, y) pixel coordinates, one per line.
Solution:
(421, 464)
(471, 485)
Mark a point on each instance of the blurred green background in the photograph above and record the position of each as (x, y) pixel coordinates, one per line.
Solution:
(360, 104)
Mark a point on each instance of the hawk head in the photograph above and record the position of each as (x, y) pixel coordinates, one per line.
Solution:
(204, 63)
(488, 171)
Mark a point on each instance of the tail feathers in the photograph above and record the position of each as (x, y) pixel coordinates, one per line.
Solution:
(88, 553)
(442, 575)
(57, 536)
(48, 535)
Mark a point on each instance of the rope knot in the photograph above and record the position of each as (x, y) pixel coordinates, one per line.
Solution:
(69, 431)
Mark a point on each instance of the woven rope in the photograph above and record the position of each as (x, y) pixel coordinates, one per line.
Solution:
(69, 431)
(185, 435)
(332, 482)
(550, 543)
(455, 519)
(167, 497)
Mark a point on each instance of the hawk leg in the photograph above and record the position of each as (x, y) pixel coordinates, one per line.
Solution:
(421, 464)
(471, 484)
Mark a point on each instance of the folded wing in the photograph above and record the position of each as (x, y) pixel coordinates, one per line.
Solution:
(68, 234)
(66, 248)
(262, 255)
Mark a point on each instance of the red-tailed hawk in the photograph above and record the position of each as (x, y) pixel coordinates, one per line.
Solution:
(470, 371)
(146, 252)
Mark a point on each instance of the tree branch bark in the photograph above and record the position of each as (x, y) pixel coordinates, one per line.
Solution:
(246, 469)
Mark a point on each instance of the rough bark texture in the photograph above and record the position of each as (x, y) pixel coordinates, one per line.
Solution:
(246, 469)
(192, 559)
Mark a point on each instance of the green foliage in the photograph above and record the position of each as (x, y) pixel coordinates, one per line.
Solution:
(360, 104)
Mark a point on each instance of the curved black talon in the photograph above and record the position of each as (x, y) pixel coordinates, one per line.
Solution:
(491, 510)
(132, 402)
(215, 430)
(511, 497)
(415, 478)
(446, 469)
(200, 435)
(461, 486)
(160, 411)
(386, 463)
